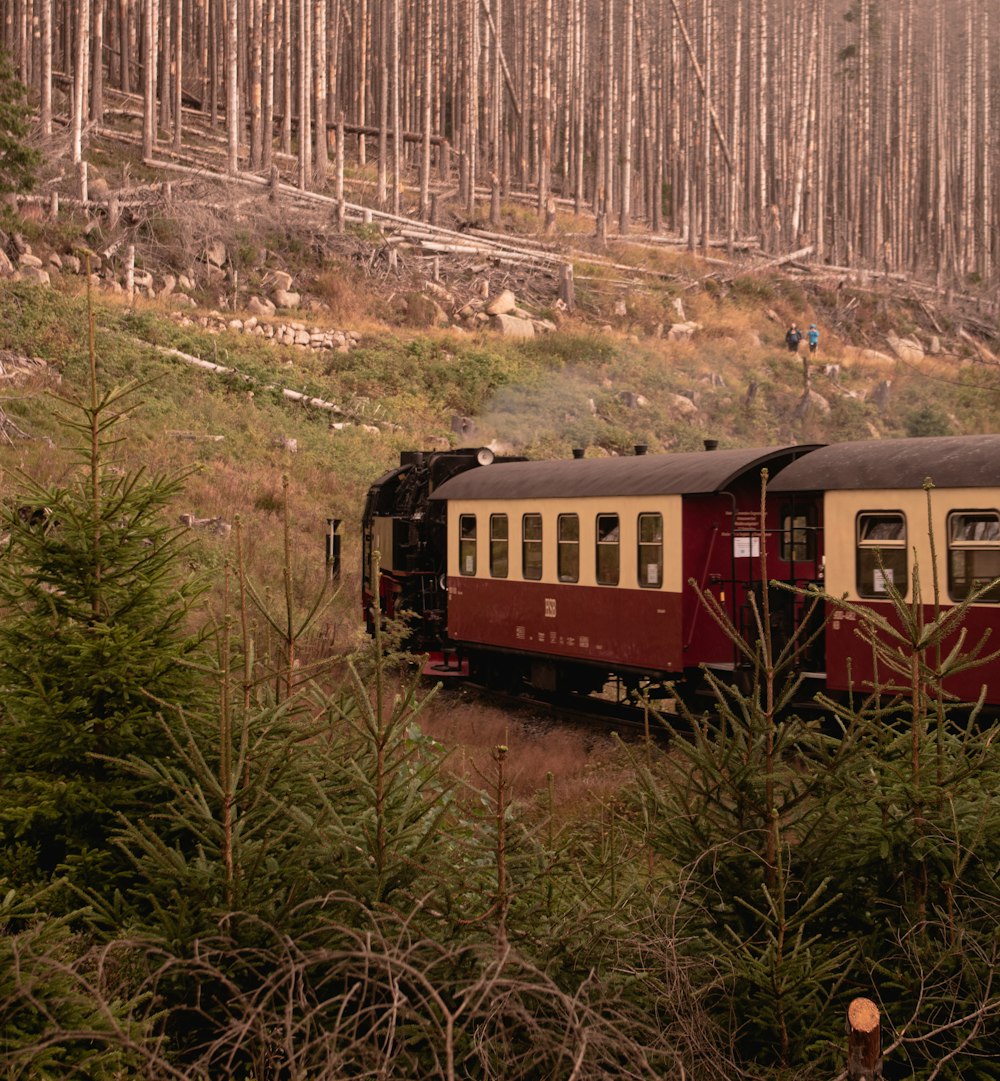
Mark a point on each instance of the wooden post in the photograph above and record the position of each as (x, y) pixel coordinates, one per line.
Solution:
(114, 210)
(567, 291)
(273, 194)
(339, 180)
(434, 208)
(864, 1041)
(54, 205)
(130, 272)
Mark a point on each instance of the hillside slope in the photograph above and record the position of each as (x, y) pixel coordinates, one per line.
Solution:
(389, 328)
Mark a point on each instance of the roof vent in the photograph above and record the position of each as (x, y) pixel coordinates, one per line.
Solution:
(711, 444)
(578, 452)
(640, 449)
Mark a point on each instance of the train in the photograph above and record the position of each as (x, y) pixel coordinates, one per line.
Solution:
(564, 575)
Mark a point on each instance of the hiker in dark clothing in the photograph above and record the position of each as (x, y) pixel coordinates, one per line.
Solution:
(792, 338)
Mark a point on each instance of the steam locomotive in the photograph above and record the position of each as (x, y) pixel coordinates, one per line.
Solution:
(562, 574)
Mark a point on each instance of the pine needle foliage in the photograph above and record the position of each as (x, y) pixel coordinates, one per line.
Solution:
(18, 159)
(95, 600)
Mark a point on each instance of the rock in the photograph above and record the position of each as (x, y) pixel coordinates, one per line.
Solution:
(502, 304)
(280, 279)
(185, 282)
(55, 261)
(72, 263)
(98, 188)
(907, 349)
(606, 328)
(182, 300)
(29, 260)
(678, 306)
(143, 279)
(302, 337)
(284, 442)
(833, 371)
(512, 327)
(813, 402)
(874, 354)
(424, 311)
(935, 346)
(235, 324)
(35, 275)
(6, 266)
(879, 394)
(260, 307)
(621, 309)
(215, 253)
(21, 246)
(169, 285)
(773, 315)
(632, 400)
(284, 299)
(544, 326)
(681, 404)
(682, 332)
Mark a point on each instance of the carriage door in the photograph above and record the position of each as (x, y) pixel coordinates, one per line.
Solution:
(795, 558)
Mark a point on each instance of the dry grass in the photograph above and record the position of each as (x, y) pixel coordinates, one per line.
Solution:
(585, 766)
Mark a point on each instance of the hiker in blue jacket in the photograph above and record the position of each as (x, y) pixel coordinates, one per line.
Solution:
(813, 338)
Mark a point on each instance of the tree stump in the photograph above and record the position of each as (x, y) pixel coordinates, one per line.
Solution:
(864, 1041)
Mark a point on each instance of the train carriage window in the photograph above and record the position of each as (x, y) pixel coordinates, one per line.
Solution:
(531, 546)
(569, 547)
(467, 544)
(973, 554)
(650, 551)
(882, 558)
(798, 534)
(499, 553)
(608, 549)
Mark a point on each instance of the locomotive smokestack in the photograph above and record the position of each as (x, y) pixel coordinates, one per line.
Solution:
(578, 452)
(711, 444)
(640, 449)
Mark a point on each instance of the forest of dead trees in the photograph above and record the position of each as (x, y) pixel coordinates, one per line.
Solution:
(860, 129)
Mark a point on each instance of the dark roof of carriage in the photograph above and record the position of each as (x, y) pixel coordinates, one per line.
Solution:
(953, 461)
(648, 474)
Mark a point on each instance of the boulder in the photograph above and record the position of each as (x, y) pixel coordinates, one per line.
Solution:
(283, 299)
(169, 285)
(215, 253)
(812, 402)
(874, 354)
(502, 304)
(908, 349)
(682, 332)
(260, 307)
(512, 327)
(678, 305)
(55, 261)
(681, 404)
(424, 311)
(280, 279)
(879, 394)
(621, 309)
(29, 260)
(34, 275)
(6, 266)
(632, 400)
